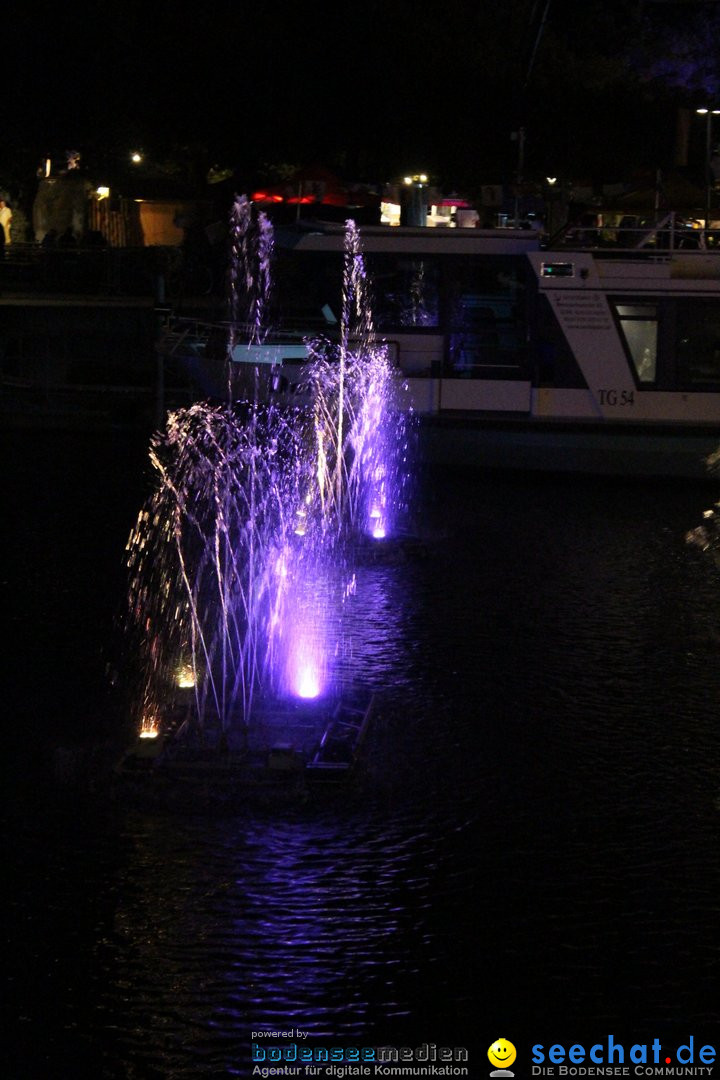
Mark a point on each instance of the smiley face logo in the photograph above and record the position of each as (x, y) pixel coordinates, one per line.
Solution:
(502, 1053)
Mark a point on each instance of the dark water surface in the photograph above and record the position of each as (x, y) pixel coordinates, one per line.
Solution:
(532, 854)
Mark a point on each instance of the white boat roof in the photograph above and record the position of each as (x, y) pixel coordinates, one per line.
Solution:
(321, 236)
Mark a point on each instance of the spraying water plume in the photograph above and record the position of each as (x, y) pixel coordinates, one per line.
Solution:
(243, 558)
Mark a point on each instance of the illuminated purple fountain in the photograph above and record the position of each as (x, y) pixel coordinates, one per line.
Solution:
(361, 436)
(243, 560)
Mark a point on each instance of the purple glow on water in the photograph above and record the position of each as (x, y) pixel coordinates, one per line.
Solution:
(308, 684)
(305, 650)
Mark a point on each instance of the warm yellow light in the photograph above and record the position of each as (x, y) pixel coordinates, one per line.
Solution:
(702, 112)
(551, 180)
(407, 180)
(149, 728)
(136, 157)
(102, 192)
(422, 178)
(185, 676)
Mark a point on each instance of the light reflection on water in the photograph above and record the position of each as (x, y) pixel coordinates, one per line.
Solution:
(534, 844)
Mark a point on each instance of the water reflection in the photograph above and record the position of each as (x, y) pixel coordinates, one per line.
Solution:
(536, 837)
(232, 926)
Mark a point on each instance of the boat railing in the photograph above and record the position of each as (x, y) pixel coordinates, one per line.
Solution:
(179, 332)
(636, 234)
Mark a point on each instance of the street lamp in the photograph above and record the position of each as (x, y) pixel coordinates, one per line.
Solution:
(519, 137)
(417, 199)
(553, 195)
(708, 114)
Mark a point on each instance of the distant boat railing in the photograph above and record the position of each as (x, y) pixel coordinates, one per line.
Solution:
(181, 333)
(637, 233)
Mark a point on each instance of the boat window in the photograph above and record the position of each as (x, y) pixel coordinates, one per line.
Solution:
(485, 315)
(639, 326)
(698, 340)
(307, 286)
(552, 359)
(406, 293)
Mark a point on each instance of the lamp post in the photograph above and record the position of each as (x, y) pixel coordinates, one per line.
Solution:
(417, 199)
(519, 137)
(708, 114)
(552, 194)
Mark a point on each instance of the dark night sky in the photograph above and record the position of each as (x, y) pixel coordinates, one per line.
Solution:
(370, 89)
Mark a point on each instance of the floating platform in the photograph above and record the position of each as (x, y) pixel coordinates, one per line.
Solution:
(289, 750)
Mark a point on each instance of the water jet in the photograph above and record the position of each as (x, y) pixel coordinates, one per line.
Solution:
(242, 561)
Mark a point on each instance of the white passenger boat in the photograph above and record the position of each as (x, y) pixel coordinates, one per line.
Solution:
(601, 359)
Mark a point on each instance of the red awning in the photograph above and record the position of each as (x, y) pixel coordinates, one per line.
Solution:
(452, 200)
(266, 197)
(314, 184)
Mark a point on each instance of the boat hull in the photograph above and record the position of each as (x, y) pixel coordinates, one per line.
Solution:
(477, 442)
